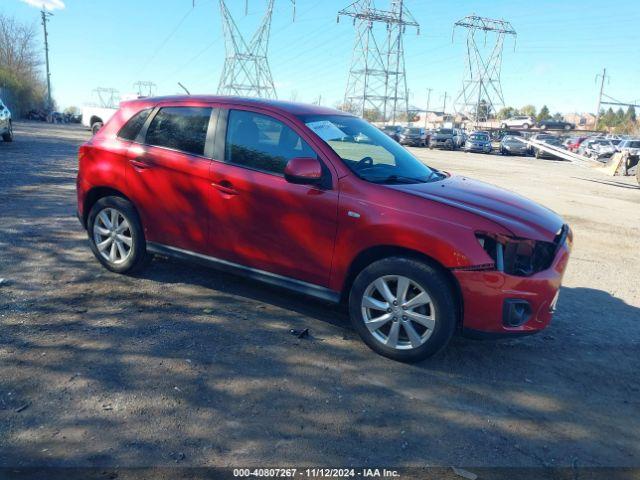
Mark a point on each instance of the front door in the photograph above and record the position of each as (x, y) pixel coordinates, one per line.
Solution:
(269, 223)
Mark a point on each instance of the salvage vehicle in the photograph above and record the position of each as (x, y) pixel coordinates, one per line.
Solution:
(413, 136)
(512, 145)
(478, 142)
(599, 148)
(555, 125)
(6, 124)
(449, 138)
(574, 143)
(281, 193)
(518, 121)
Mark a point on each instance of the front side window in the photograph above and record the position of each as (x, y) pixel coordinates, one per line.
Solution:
(180, 128)
(133, 126)
(368, 152)
(262, 143)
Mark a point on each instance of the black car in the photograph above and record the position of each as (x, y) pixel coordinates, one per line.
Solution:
(444, 138)
(555, 125)
(413, 136)
(393, 131)
(551, 141)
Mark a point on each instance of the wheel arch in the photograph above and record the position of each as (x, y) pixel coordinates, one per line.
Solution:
(373, 254)
(95, 194)
(95, 119)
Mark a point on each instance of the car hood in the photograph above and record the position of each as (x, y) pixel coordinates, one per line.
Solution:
(521, 216)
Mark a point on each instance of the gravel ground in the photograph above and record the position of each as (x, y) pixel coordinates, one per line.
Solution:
(183, 365)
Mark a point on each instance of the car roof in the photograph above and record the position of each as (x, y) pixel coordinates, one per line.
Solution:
(293, 108)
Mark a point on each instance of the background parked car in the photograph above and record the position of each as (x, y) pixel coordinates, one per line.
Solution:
(599, 148)
(6, 126)
(630, 145)
(513, 145)
(393, 131)
(555, 124)
(413, 136)
(519, 121)
(449, 138)
(551, 140)
(574, 143)
(478, 142)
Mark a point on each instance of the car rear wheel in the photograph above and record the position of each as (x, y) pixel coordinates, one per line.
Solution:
(526, 126)
(116, 236)
(567, 127)
(403, 309)
(8, 136)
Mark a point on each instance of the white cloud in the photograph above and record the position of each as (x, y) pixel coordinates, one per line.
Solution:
(48, 4)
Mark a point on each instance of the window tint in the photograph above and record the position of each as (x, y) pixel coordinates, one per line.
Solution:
(133, 126)
(180, 128)
(261, 142)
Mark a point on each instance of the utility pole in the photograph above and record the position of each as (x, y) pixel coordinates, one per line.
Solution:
(604, 75)
(45, 19)
(444, 106)
(426, 112)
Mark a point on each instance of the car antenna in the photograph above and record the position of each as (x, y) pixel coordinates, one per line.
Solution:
(184, 88)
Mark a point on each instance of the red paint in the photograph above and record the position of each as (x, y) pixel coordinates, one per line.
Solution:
(311, 233)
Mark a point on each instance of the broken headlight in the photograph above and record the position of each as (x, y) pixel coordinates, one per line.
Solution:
(517, 256)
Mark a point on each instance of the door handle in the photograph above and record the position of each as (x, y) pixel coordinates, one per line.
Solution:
(225, 187)
(139, 163)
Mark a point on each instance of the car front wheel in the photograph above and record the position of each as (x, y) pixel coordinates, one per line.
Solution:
(116, 236)
(403, 309)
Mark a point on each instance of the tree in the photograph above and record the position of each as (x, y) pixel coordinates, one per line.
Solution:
(544, 113)
(21, 80)
(506, 112)
(630, 116)
(558, 117)
(528, 110)
(373, 115)
(73, 110)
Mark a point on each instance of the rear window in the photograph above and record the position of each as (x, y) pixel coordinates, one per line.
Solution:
(132, 127)
(444, 131)
(180, 128)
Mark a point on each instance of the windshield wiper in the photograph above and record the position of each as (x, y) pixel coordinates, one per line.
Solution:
(396, 179)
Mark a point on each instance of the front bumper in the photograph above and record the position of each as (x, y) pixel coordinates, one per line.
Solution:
(485, 293)
(414, 142)
(477, 148)
(436, 143)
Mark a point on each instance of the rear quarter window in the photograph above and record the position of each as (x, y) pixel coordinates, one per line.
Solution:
(180, 128)
(132, 127)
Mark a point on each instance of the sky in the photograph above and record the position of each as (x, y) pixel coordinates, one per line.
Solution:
(560, 48)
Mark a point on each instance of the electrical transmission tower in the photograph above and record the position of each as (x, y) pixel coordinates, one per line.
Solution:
(246, 68)
(481, 93)
(145, 88)
(107, 97)
(377, 83)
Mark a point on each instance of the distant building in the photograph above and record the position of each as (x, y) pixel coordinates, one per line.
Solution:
(582, 121)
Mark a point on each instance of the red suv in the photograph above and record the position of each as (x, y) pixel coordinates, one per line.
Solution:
(321, 202)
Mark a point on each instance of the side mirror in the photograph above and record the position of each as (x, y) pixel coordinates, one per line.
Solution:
(303, 171)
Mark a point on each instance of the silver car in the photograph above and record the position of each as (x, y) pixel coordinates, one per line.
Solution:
(630, 145)
(6, 127)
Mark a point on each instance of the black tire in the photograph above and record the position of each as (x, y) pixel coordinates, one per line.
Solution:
(504, 126)
(436, 286)
(543, 127)
(8, 137)
(138, 256)
(526, 126)
(95, 128)
(568, 127)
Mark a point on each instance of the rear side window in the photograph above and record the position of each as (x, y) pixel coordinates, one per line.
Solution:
(133, 126)
(262, 143)
(180, 128)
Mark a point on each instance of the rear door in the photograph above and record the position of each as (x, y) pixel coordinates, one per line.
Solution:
(168, 175)
(268, 223)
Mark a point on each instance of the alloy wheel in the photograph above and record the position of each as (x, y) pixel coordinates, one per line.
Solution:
(398, 312)
(112, 236)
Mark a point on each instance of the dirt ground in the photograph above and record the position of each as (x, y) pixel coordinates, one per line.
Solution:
(186, 366)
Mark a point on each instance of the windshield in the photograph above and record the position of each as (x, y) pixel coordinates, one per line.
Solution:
(510, 139)
(479, 137)
(389, 129)
(444, 131)
(411, 131)
(379, 159)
